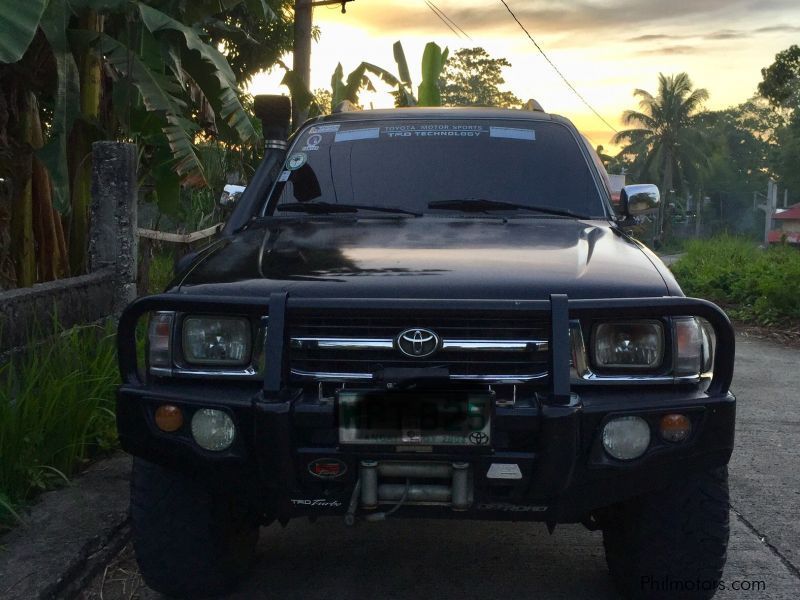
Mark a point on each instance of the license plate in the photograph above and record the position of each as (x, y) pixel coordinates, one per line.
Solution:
(437, 418)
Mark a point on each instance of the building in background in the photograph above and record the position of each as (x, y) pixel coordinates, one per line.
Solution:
(786, 226)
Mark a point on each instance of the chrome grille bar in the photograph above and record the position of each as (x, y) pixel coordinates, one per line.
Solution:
(495, 345)
(341, 343)
(335, 343)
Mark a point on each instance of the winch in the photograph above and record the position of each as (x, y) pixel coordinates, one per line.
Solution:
(421, 483)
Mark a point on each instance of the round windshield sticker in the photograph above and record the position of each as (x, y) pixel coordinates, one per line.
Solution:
(296, 161)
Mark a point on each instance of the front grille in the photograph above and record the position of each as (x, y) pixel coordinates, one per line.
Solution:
(478, 348)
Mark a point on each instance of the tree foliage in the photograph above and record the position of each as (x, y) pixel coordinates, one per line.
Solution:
(664, 135)
(781, 86)
(253, 35)
(742, 143)
(473, 78)
(781, 80)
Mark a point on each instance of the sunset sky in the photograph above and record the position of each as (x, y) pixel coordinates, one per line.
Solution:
(607, 48)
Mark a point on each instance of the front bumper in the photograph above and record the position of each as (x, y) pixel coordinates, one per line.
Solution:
(552, 435)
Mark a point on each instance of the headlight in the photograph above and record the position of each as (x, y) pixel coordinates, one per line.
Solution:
(694, 346)
(216, 341)
(634, 345)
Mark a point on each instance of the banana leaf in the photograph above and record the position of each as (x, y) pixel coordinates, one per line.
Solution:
(433, 62)
(337, 86)
(403, 95)
(356, 80)
(301, 96)
(159, 94)
(402, 64)
(384, 75)
(261, 8)
(19, 20)
(224, 94)
(66, 107)
(197, 11)
(187, 162)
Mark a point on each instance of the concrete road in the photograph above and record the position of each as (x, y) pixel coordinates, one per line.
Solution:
(448, 560)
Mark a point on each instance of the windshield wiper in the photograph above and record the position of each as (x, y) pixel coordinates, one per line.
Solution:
(327, 208)
(483, 205)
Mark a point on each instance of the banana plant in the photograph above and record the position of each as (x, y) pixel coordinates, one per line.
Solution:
(342, 89)
(160, 74)
(349, 88)
(356, 81)
(429, 94)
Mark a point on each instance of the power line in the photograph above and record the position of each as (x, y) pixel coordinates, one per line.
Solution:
(433, 6)
(556, 69)
(442, 19)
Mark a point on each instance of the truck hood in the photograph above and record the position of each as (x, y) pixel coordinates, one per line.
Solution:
(429, 257)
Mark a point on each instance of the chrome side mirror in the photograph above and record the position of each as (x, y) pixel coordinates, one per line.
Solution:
(639, 200)
(230, 195)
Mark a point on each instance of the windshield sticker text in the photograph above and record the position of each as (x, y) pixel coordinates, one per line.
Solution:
(434, 130)
(324, 129)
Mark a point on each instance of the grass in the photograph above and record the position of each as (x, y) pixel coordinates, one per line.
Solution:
(754, 285)
(161, 271)
(56, 413)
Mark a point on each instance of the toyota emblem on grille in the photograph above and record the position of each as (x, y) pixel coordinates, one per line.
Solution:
(418, 343)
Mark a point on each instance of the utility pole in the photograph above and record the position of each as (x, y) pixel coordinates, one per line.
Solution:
(768, 207)
(303, 24)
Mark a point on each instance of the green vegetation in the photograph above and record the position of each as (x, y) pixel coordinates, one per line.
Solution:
(753, 285)
(348, 89)
(56, 412)
(142, 71)
(162, 270)
(711, 165)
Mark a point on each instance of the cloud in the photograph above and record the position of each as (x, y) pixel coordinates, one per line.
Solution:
(560, 16)
(678, 49)
(655, 37)
(779, 29)
(722, 34)
(727, 34)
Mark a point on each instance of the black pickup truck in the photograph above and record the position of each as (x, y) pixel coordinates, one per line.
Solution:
(428, 313)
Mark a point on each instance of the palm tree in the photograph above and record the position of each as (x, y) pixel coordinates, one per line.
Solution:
(664, 135)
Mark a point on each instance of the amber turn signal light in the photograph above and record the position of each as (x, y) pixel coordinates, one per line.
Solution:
(675, 427)
(169, 418)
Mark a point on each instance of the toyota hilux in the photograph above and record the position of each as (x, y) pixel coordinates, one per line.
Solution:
(428, 313)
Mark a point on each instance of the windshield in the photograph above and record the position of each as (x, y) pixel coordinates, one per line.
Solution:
(413, 165)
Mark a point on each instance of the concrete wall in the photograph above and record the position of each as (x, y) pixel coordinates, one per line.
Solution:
(29, 314)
